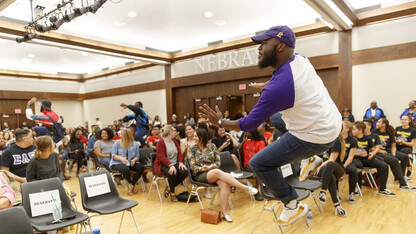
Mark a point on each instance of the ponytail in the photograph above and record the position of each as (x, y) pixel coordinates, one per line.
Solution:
(342, 153)
(389, 129)
(38, 154)
(42, 143)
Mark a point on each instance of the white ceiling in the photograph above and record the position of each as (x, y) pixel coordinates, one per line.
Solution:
(167, 25)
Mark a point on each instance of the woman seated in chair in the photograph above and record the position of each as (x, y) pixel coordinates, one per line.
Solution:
(169, 161)
(204, 161)
(45, 164)
(252, 144)
(125, 158)
(76, 148)
(337, 158)
(103, 147)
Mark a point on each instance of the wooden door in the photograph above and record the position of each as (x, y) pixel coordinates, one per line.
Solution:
(250, 101)
(197, 103)
(220, 102)
(235, 105)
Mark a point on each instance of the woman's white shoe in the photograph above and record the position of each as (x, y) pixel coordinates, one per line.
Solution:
(252, 190)
(227, 218)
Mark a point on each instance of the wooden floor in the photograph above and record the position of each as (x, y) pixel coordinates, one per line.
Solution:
(371, 214)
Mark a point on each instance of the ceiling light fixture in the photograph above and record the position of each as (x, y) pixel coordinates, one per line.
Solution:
(132, 14)
(208, 14)
(65, 11)
(119, 23)
(339, 13)
(31, 55)
(84, 53)
(221, 22)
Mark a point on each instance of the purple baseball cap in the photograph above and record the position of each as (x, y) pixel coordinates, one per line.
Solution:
(282, 33)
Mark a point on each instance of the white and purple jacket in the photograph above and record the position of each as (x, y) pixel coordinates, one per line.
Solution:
(299, 94)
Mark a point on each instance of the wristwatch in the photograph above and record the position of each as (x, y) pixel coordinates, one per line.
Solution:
(220, 122)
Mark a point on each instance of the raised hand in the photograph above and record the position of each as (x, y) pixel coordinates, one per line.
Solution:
(210, 114)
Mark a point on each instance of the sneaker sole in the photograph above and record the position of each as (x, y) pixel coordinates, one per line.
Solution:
(301, 212)
(387, 195)
(414, 189)
(306, 171)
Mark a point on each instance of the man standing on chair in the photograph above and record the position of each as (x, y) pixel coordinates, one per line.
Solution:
(298, 93)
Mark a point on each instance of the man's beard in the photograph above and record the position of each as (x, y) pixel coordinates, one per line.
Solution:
(269, 59)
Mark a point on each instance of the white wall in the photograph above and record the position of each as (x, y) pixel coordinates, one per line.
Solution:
(125, 79)
(108, 109)
(384, 34)
(70, 110)
(317, 45)
(392, 84)
(34, 85)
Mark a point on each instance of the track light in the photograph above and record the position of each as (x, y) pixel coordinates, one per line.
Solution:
(27, 37)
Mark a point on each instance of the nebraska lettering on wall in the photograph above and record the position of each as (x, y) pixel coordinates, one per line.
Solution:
(225, 61)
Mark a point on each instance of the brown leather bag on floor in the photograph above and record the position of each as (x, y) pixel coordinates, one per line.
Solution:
(210, 216)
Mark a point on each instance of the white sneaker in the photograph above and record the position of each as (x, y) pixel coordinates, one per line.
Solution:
(408, 188)
(340, 211)
(308, 167)
(289, 216)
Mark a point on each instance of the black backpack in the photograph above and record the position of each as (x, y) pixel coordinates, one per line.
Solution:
(57, 131)
(183, 197)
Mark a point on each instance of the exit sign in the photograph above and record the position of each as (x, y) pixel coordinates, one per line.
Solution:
(242, 87)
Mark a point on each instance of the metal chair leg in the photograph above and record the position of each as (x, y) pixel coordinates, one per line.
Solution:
(258, 217)
(315, 197)
(359, 190)
(121, 221)
(137, 226)
(151, 186)
(372, 179)
(369, 180)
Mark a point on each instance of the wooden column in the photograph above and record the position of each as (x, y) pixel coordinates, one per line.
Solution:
(345, 70)
(169, 93)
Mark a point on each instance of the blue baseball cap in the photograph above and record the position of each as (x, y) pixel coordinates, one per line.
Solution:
(282, 33)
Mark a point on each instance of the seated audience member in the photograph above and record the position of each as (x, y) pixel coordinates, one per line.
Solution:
(7, 136)
(125, 158)
(104, 146)
(349, 162)
(17, 156)
(188, 141)
(155, 138)
(392, 161)
(2, 146)
(276, 135)
(139, 140)
(24, 125)
(174, 121)
(205, 126)
(156, 121)
(386, 133)
(410, 111)
(169, 161)
(91, 141)
(6, 126)
(346, 115)
(189, 119)
(227, 115)
(76, 149)
(263, 129)
(45, 164)
(115, 135)
(374, 113)
(332, 169)
(365, 153)
(180, 134)
(406, 139)
(204, 161)
(224, 141)
(7, 194)
(251, 145)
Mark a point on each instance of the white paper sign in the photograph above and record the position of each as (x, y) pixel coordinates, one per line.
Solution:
(42, 203)
(97, 185)
(286, 170)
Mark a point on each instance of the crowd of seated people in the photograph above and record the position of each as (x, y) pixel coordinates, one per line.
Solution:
(369, 143)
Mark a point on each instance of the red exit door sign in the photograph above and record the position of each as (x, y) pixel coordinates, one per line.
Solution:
(242, 87)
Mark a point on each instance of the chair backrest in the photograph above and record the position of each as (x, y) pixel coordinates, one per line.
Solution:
(44, 186)
(191, 177)
(14, 220)
(145, 155)
(88, 202)
(153, 156)
(227, 162)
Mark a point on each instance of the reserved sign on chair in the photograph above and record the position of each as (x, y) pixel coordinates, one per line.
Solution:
(286, 170)
(43, 202)
(97, 185)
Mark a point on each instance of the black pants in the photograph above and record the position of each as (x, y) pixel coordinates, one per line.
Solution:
(174, 180)
(126, 171)
(394, 166)
(78, 157)
(382, 169)
(353, 176)
(404, 159)
(330, 174)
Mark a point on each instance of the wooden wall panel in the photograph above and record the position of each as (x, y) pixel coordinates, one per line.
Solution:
(344, 98)
(23, 95)
(156, 85)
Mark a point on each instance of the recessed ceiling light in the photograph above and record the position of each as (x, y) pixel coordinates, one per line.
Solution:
(220, 22)
(119, 23)
(208, 14)
(84, 54)
(25, 60)
(132, 14)
(31, 55)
